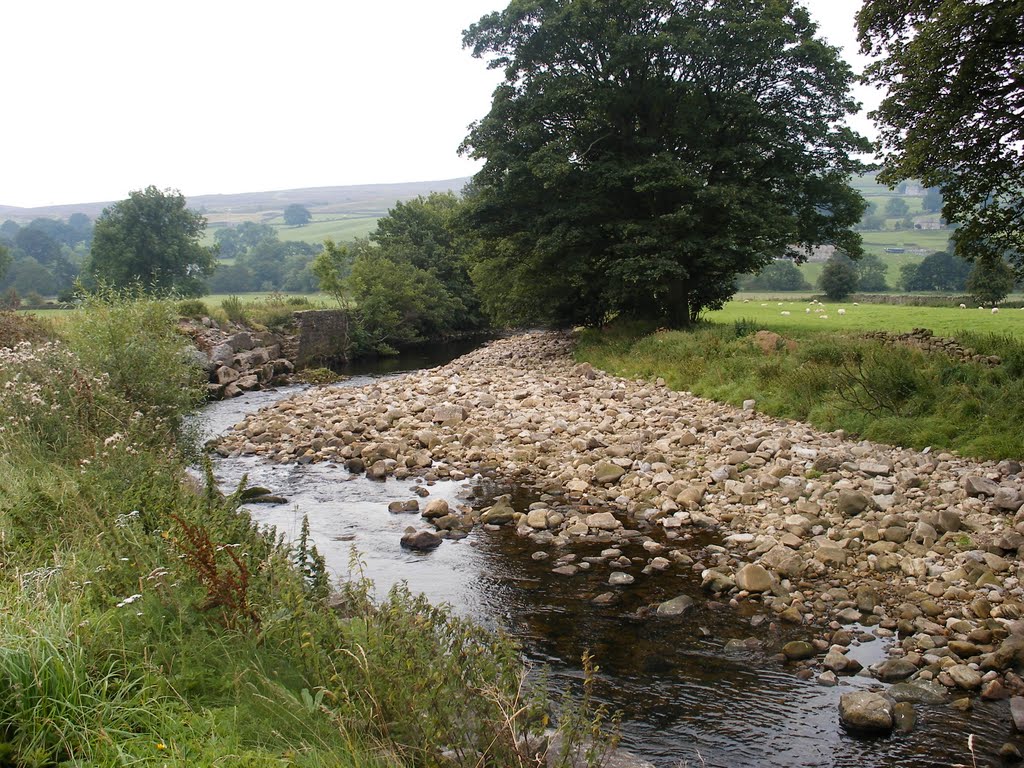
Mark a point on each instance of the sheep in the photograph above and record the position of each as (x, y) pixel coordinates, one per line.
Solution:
(764, 305)
(784, 313)
(807, 311)
(995, 310)
(823, 317)
(856, 304)
(963, 306)
(746, 301)
(841, 312)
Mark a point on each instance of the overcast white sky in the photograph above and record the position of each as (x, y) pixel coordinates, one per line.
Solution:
(210, 96)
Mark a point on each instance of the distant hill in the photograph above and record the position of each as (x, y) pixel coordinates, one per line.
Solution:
(361, 201)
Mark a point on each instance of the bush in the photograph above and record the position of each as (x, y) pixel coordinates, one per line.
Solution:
(193, 308)
(234, 309)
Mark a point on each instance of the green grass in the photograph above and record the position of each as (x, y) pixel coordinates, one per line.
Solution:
(944, 321)
(338, 228)
(837, 380)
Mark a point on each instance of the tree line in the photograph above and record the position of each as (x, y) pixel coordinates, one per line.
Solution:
(640, 156)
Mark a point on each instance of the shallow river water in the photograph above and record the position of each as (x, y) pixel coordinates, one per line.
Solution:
(685, 701)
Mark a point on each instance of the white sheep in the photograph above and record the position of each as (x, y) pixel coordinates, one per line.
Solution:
(823, 317)
(841, 312)
(856, 304)
(764, 305)
(963, 306)
(746, 301)
(807, 311)
(784, 313)
(995, 310)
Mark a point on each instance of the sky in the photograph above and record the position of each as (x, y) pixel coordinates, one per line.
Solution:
(225, 96)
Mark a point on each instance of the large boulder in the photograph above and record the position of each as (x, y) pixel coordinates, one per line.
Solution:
(421, 540)
(866, 712)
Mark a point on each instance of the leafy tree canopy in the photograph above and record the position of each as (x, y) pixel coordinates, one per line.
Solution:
(871, 272)
(941, 271)
(839, 277)
(151, 239)
(954, 70)
(781, 275)
(5, 260)
(640, 154)
(990, 281)
(297, 215)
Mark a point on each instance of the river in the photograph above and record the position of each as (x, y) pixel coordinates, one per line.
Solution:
(685, 700)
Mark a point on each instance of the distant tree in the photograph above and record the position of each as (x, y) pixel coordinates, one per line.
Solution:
(26, 275)
(932, 202)
(940, 271)
(951, 70)
(427, 233)
(231, 278)
(297, 215)
(781, 275)
(37, 244)
(640, 154)
(229, 243)
(251, 234)
(331, 268)
(871, 273)
(896, 208)
(990, 281)
(9, 230)
(151, 238)
(839, 277)
(5, 260)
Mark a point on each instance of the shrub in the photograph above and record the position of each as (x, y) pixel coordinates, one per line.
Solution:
(234, 309)
(194, 308)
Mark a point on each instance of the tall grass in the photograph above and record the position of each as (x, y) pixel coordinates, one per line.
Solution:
(892, 394)
(146, 622)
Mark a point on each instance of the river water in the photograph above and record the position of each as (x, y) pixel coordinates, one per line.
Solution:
(685, 700)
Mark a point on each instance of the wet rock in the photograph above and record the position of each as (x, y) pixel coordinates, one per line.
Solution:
(500, 513)
(798, 650)
(919, 692)
(754, 578)
(537, 519)
(1017, 712)
(866, 712)
(894, 670)
(421, 540)
(964, 677)
(603, 521)
(904, 717)
(1010, 753)
(620, 579)
(677, 606)
(436, 508)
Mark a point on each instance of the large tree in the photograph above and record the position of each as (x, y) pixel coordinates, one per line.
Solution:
(640, 154)
(297, 215)
(151, 239)
(952, 117)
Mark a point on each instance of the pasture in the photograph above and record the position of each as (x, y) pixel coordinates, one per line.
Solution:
(944, 321)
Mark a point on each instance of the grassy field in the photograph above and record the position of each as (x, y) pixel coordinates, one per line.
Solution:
(944, 321)
(337, 228)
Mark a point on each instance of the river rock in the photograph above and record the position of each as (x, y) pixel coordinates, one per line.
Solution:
(894, 670)
(421, 540)
(798, 650)
(1017, 712)
(499, 513)
(537, 519)
(436, 508)
(919, 692)
(980, 486)
(964, 677)
(605, 472)
(850, 503)
(904, 717)
(603, 521)
(866, 712)
(754, 578)
(677, 606)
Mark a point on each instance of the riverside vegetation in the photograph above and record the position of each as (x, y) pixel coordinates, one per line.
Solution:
(149, 621)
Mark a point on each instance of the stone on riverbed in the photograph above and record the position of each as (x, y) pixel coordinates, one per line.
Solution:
(866, 712)
(798, 650)
(605, 472)
(436, 508)
(677, 606)
(753, 578)
(500, 513)
(620, 579)
(421, 540)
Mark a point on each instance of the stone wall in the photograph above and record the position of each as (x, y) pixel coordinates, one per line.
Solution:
(322, 337)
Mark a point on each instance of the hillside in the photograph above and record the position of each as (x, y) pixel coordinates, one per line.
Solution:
(362, 200)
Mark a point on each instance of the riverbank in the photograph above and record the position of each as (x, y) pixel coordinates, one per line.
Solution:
(844, 538)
